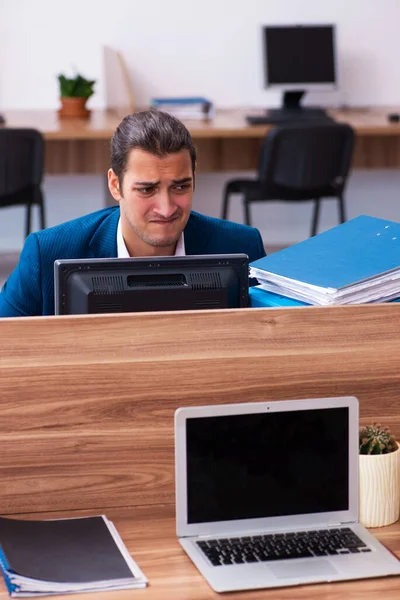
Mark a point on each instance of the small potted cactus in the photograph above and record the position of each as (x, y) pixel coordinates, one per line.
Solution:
(379, 476)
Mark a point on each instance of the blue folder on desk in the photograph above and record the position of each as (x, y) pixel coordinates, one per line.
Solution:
(182, 100)
(353, 262)
(259, 298)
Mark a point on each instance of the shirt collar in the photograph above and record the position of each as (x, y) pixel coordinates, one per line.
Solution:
(122, 250)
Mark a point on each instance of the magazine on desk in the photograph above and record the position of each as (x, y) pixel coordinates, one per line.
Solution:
(65, 556)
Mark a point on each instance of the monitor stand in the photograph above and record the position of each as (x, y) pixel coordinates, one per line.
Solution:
(291, 112)
(292, 108)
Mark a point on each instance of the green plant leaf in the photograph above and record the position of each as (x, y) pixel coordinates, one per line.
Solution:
(77, 87)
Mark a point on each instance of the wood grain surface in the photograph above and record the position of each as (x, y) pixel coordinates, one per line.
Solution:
(149, 534)
(225, 143)
(87, 402)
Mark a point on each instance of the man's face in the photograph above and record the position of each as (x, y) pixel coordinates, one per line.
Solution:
(155, 201)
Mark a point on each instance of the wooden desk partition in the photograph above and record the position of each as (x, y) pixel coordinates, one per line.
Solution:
(87, 403)
(225, 143)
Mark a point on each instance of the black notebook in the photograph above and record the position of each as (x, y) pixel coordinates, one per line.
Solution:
(65, 556)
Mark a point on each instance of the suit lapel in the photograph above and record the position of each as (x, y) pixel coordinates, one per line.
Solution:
(197, 237)
(104, 241)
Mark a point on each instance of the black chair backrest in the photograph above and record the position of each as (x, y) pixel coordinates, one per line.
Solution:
(307, 156)
(21, 159)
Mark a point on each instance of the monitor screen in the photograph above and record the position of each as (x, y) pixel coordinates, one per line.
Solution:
(114, 285)
(300, 56)
(244, 467)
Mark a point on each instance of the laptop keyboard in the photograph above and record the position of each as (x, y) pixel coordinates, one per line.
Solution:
(282, 546)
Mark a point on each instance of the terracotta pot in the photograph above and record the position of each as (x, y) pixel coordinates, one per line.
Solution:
(379, 488)
(73, 107)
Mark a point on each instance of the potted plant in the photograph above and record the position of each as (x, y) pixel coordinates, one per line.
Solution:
(379, 481)
(74, 94)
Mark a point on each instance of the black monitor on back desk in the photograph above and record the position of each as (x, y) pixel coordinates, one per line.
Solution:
(297, 59)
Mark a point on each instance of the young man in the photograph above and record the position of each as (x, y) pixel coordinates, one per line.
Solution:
(152, 178)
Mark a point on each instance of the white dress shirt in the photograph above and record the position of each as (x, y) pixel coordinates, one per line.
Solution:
(123, 250)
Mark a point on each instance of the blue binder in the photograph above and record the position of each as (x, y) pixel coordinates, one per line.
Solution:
(360, 249)
(259, 298)
(180, 100)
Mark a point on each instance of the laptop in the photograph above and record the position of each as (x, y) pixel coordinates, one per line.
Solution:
(267, 494)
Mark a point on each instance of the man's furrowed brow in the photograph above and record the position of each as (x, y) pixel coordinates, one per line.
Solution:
(147, 183)
(183, 180)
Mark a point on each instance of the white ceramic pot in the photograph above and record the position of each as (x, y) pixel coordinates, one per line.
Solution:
(379, 488)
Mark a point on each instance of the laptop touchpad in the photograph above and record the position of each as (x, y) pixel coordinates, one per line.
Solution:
(309, 568)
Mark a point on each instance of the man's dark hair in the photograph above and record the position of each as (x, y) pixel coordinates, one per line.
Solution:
(152, 131)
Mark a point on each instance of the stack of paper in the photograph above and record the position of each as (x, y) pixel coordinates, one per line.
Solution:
(65, 556)
(185, 108)
(356, 262)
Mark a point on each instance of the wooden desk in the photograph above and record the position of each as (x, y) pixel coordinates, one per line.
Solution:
(226, 143)
(149, 534)
(87, 405)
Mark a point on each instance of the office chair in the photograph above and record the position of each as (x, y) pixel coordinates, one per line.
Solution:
(21, 171)
(299, 162)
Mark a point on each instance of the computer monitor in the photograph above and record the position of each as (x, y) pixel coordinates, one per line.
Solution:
(298, 59)
(114, 285)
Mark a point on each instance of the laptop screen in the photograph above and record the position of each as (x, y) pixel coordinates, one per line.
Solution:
(267, 464)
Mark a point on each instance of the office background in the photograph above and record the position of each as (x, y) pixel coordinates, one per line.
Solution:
(187, 48)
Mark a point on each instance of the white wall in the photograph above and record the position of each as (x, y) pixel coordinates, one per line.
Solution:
(210, 47)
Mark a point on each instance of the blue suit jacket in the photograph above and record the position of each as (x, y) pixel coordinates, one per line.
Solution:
(30, 288)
